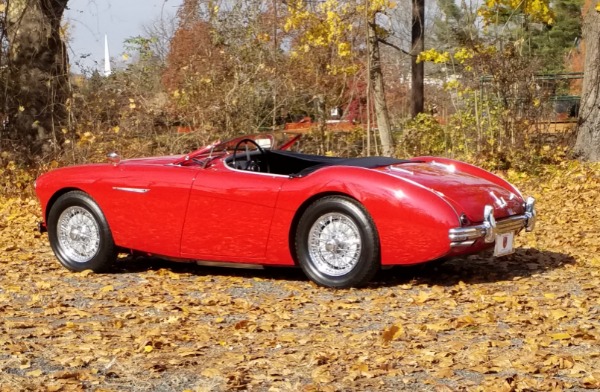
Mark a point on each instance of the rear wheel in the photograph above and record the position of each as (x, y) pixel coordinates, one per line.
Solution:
(79, 234)
(337, 244)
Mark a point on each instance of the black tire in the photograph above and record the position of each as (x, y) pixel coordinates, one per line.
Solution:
(88, 244)
(350, 256)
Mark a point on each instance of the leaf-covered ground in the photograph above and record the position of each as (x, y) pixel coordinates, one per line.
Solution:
(529, 321)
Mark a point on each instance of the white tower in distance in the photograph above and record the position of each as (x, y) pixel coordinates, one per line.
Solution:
(107, 69)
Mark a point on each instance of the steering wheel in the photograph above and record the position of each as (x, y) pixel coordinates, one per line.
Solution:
(250, 165)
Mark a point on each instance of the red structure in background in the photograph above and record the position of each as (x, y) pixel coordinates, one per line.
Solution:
(307, 124)
(341, 119)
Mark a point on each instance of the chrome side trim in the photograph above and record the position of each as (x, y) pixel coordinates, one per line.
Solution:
(225, 264)
(132, 190)
(464, 236)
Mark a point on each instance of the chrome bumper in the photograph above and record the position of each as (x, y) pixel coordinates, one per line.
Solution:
(465, 236)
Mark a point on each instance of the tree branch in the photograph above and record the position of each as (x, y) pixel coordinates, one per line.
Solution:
(391, 45)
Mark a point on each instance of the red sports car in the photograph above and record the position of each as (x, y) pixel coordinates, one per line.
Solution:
(252, 200)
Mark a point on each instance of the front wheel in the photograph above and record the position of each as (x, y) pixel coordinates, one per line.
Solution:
(79, 234)
(337, 244)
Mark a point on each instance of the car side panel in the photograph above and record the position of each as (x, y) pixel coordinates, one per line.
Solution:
(412, 221)
(229, 216)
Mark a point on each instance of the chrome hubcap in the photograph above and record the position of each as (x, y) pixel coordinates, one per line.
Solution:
(78, 234)
(334, 244)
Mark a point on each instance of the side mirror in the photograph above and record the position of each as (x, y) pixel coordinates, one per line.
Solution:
(113, 158)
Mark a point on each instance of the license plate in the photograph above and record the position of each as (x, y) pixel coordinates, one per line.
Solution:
(504, 244)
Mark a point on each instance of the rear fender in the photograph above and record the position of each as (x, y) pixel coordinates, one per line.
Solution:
(412, 221)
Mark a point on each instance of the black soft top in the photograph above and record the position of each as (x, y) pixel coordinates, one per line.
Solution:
(300, 165)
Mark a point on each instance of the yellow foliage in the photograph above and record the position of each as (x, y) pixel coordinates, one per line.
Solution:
(537, 10)
(463, 54)
(328, 25)
(452, 85)
(87, 137)
(434, 56)
(344, 49)
(264, 37)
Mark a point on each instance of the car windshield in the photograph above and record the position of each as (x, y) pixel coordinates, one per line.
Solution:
(266, 141)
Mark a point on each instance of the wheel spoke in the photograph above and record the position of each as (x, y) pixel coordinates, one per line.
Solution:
(335, 244)
(78, 234)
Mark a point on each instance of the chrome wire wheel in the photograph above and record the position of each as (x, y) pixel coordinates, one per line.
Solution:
(334, 244)
(78, 234)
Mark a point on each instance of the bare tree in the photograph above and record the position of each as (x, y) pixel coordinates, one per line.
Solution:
(381, 108)
(161, 31)
(588, 135)
(38, 83)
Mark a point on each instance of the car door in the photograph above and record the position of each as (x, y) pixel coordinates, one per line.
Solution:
(146, 205)
(229, 214)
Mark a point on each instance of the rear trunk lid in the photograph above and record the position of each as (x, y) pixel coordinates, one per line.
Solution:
(467, 193)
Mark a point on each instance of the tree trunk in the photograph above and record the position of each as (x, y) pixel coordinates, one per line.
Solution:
(417, 46)
(587, 145)
(381, 109)
(38, 88)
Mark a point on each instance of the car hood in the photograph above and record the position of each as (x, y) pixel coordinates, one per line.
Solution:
(467, 193)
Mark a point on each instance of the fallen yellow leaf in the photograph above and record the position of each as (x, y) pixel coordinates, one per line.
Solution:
(394, 332)
(560, 336)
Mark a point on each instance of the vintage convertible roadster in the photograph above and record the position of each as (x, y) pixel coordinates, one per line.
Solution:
(252, 200)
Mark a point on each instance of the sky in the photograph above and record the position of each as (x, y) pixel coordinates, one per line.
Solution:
(89, 20)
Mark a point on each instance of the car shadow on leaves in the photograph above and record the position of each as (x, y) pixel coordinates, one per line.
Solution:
(145, 263)
(476, 269)
(482, 268)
